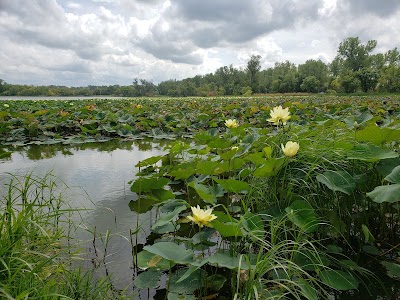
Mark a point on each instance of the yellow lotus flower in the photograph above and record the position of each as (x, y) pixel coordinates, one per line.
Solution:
(201, 217)
(279, 115)
(290, 149)
(231, 123)
(138, 106)
(6, 105)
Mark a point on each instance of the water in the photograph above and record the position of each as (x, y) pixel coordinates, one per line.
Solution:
(96, 176)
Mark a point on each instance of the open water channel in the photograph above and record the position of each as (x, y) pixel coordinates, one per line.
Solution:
(94, 176)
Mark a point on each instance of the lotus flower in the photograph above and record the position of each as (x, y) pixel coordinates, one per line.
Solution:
(201, 217)
(279, 115)
(290, 149)
(231, 123)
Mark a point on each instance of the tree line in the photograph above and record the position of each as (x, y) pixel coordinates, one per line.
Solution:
(354, 69)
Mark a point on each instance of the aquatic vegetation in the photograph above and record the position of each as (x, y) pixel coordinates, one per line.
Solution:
(235, 217)
(279, 115)
(290, 149)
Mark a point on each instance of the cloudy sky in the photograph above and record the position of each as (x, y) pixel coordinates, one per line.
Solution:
(104, 42)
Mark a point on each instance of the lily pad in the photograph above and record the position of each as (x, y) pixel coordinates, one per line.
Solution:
(303, 216)
(338, 181)
(385, 193)
(148, 279)
(370, 153)
(339, 280)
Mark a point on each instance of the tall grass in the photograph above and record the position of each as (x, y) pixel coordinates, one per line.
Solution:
(35, 253)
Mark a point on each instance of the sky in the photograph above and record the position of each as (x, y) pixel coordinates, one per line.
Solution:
(107, 42)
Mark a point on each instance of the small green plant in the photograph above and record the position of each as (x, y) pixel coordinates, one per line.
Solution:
(35, 256)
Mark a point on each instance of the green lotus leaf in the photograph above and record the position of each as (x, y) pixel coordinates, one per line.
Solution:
(339, 280)
(338, 181)
(302, 215)
(370, 153)
(385, 193)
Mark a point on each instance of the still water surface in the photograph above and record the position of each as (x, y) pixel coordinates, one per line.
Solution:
(97, 176)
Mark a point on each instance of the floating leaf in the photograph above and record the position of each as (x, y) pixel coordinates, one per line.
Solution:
(169, 217)
(339, 280)
(226, 226)
(377, 135)
(370, 153)
(142, 184)
(393, 270)
(189, 285)
(148, 161)
(204, 192)
(385, 193)
(233, 185)
(302, 215)
(253, 224)
(171, 251)
(386, 166)
(360, 119)
(215, 282)
(394, 176)
(207, 167)
(270, 168)
(227, 261)
(147, 260)
(142, 205)
(337, 181)
(183, 171)
(148, 279)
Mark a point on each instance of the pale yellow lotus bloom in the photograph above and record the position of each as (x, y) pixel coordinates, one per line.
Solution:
(231, 123)
(279, 115)
(290, 149)
(201, 217)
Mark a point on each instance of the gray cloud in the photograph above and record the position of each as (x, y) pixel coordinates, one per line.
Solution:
(80, 42)
(208, 24)
(377, 7)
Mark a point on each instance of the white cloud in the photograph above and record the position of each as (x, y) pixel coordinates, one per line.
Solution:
(113, 41)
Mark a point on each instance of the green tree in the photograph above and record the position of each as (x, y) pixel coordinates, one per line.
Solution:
(368, 79)
(392, 57)
(350, 83)
(310, 84)
(252, 70)
(355, 54)
(316, 69)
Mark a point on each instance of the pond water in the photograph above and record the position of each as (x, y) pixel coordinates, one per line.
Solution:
(96, 177)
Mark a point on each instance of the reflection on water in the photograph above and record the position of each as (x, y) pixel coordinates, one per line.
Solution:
(97, 176)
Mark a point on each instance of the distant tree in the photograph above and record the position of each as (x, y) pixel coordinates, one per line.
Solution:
(2, 85)
(246, 91)
(316, 69)
(368, 79)
(389, 80)
(392, 57)
(350, 83)
(355, 54)
(310, 84)
(284, 77)
(252, 69)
